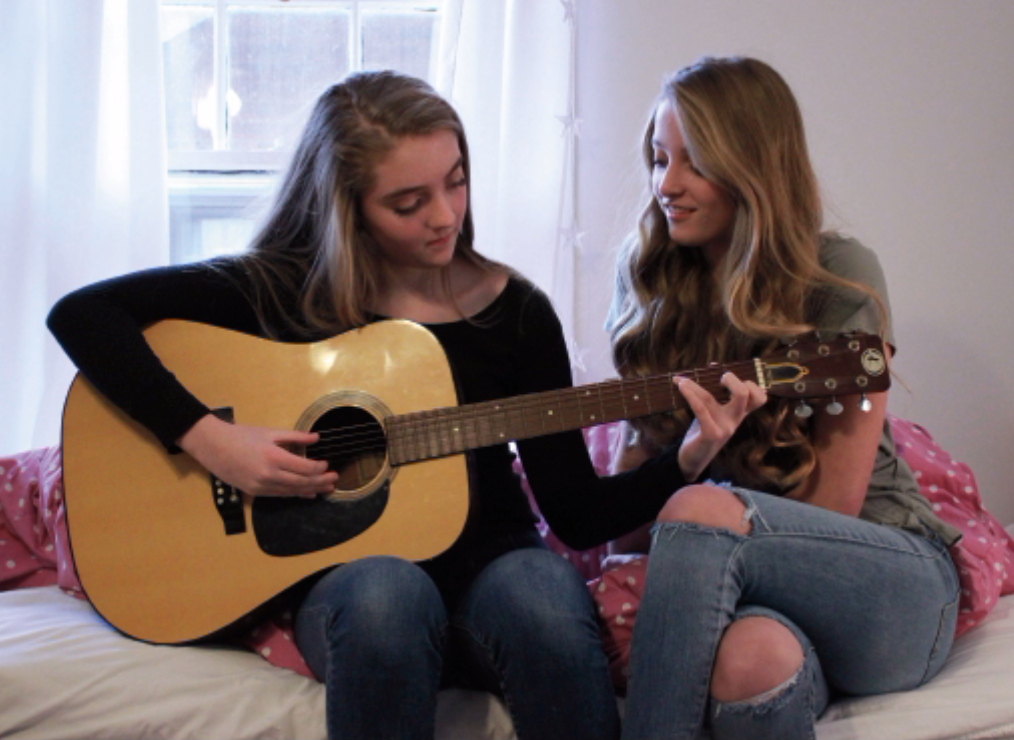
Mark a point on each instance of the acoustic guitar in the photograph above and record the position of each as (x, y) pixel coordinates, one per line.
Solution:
(167, 553)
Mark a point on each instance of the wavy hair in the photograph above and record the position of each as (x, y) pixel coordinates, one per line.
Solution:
(743, 132)
(314, 243)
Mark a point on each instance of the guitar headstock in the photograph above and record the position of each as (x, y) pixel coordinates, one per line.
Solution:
(819, 367)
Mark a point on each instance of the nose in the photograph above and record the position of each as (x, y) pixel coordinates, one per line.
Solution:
(442, 213)
(669, 182)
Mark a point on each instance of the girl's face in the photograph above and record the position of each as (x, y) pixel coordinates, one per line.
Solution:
(418, 201)
(699, 213)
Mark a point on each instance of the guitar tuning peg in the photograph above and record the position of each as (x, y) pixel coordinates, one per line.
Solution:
(804, 410)
(865, 404)
(834, 408)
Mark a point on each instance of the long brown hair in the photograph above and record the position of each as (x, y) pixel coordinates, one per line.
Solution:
(744, 133)
(314, 242)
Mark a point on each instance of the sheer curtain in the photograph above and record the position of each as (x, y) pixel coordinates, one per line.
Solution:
(82, 181)
(508, 67)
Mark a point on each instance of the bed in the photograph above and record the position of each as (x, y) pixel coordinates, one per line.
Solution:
(65, 673)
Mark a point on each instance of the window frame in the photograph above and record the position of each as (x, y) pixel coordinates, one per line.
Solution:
(221, 183)
(221, 160)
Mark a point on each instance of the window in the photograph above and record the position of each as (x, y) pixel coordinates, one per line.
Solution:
(240, 78)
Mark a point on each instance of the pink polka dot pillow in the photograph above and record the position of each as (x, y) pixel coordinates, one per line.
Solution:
(617, 595)
(33, 533)
(985, 555)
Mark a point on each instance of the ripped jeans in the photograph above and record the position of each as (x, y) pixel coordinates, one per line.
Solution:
(873, 607)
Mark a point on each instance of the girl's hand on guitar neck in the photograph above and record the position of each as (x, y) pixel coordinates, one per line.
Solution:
(254, 459)
(714, 423)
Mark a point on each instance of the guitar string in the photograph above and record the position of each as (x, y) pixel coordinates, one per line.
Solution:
(370, 436)
(426, 430)
(440, 416)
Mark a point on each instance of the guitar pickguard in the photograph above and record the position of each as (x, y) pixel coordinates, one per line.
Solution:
(295, 526)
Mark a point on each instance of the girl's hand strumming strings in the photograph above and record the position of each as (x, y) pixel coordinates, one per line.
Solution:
(714, 423)
(254, 459)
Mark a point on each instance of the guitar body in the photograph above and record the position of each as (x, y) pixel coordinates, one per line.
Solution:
(167, 554)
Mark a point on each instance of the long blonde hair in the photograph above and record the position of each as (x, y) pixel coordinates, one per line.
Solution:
(314, 243)
(744, 133)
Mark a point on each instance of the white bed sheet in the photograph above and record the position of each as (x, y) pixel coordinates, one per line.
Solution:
(64, 673)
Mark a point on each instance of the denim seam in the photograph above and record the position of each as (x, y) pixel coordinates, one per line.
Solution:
(953, 605)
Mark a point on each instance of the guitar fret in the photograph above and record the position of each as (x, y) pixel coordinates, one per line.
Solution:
(598, 414)
(607, 403)
(661, 391)
(637, 403)
(570, 412)
(433, 435)
(473, 432)
(445, 443)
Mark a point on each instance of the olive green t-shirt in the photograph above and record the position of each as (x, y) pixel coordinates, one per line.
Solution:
(893, 497)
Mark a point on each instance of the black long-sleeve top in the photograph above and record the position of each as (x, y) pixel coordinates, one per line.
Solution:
(512, 347)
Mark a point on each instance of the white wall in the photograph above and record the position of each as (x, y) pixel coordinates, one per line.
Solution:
(909, 106)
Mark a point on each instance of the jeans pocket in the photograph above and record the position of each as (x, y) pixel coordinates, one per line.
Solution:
(944, 640)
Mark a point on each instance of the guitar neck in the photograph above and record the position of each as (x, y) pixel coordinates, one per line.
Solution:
(425, 435)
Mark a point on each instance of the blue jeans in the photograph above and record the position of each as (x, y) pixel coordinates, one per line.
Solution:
(516, 620)
(873, 607)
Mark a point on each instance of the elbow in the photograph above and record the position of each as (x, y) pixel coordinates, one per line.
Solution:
(64, 314)
(58, 315)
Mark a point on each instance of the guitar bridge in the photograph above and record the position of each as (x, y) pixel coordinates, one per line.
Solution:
(228, 500)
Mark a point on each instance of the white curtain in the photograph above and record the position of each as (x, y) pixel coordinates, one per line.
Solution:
(508, 67)
(82, 181)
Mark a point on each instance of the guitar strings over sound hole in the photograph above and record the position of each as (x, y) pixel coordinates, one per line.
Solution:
(354, 444)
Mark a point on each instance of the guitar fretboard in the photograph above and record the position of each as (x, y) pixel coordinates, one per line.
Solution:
(437, 433)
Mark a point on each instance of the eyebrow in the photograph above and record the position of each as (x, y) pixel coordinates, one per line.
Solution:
(397, 194)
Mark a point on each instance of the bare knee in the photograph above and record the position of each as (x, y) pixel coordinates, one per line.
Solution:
(712, 506)
(755, 655)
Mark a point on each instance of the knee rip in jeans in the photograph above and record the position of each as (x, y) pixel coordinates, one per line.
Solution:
(708, 507)
(767, 701)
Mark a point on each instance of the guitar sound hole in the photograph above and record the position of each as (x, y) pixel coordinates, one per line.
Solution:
(353, 443)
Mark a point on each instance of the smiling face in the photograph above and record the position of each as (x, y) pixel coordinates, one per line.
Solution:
(418, 201)
(699, 213)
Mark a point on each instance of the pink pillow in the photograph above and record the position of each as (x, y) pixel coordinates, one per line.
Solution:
(33, 532)
(983, 557)
(985, 554)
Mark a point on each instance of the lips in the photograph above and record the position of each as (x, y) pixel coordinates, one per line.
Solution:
(439, 242)
(677, 213)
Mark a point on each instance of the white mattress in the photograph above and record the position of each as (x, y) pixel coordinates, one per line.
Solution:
(65, 674)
